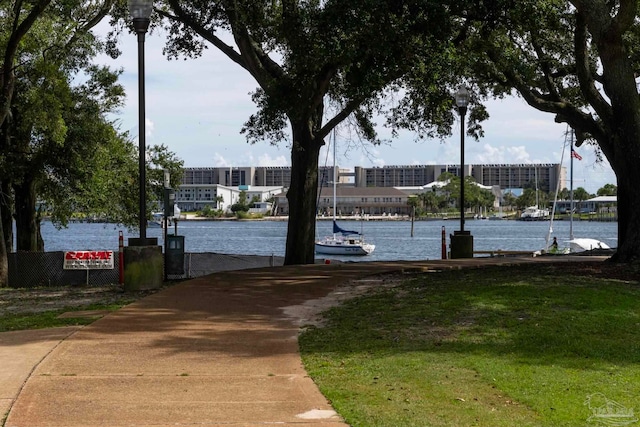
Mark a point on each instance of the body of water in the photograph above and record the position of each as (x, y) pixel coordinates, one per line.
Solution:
(392, 238)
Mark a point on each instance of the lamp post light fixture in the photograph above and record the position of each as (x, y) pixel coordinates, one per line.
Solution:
(461, 240)
(143, 262)
(462, 101)
(140, 11)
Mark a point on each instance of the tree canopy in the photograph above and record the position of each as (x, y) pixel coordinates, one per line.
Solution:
(317, 64)
(577, 60)
(58, 150)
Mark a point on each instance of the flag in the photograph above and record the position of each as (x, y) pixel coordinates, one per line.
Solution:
(576, 155)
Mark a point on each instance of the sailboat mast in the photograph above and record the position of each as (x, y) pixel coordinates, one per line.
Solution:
(334, 178)
(535, 174)
(571, 190)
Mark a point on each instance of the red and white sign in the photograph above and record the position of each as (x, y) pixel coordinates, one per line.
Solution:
(88, 260)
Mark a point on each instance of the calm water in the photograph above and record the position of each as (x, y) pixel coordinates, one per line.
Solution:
(392, 238)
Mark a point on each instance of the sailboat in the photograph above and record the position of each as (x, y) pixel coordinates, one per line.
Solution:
(534, 213)
(575, 244)
(342, 242)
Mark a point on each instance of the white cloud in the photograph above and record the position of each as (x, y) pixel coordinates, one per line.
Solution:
(218, 161)
(266, 160)
(149, 127)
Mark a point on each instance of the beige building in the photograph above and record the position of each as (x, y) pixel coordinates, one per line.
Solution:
(355, 201)
(361, 191)
(503, 175)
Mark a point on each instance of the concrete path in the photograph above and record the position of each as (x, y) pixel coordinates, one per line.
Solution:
(214, 351)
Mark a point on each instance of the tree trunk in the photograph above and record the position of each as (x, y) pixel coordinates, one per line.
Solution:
(4, 261)
(302, 197)
(6, 216)
(27, 227)
(625, 165)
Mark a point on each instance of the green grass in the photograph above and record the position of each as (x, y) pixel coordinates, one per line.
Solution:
(509, 346)
(49, 319)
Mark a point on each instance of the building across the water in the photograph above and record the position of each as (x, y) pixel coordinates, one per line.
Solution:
(505, 176)
(374, 190)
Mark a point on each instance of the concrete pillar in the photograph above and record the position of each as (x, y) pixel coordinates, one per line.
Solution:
(143, 265)
(461, 244)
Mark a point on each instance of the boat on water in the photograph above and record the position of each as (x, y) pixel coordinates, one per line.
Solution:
(586, 244)
(342, 242)
(575, 245)
(534, 213)
(156, 220)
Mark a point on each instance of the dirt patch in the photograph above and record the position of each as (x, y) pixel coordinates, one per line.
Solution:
(310, 312)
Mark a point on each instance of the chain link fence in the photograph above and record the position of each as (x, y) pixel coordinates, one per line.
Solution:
(45, 269)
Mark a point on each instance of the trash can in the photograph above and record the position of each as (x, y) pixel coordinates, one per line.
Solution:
(174, 256)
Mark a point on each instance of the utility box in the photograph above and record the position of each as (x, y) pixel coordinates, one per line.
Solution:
(174, 255)
(461, 244)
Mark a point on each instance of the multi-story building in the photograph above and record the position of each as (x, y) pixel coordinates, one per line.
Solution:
(546, 175)
(262, 176)
(219, 187)
(503, 175)
(352, 201)
(194, 197)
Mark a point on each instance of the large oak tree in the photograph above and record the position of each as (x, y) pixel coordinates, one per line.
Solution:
(580, 61)
(317, 63)
(58, 151)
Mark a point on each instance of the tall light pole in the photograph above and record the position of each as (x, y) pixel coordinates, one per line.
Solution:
(462, 241)
(140, 11)
(462, 101)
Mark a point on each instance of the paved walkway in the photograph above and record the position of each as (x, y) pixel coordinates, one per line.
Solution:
(214, 351)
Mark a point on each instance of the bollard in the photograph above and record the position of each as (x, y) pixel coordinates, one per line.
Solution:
(121, 257)
(444, 243)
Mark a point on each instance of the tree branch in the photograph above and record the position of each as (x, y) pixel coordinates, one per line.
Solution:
(583, 71)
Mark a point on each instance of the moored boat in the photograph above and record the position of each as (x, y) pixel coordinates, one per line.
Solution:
(344, 242)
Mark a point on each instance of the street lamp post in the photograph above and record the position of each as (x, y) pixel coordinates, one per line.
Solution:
(462, 241)
(462, 100)
(143, 263)
(141, 12)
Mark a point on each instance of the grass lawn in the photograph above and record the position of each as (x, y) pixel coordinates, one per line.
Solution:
(36, 308)
(531, 345)
(51, 319)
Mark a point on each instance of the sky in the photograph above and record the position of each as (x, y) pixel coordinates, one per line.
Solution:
(197, 107)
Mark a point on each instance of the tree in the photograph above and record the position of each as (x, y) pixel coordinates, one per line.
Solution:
(61, 151)
(23, 42)
(219, 200)
(316, 65)
(16, 19)
(608, 190)
(429, 200)
(160, 159)
(413, 201)
(241, 205)
(578, 60)
(527, 198)
(580, 194)
(475, 196)
(508, 199)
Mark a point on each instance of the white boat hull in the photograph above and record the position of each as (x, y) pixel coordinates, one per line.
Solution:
(586, 244)
(331, 246)
(533, 213)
